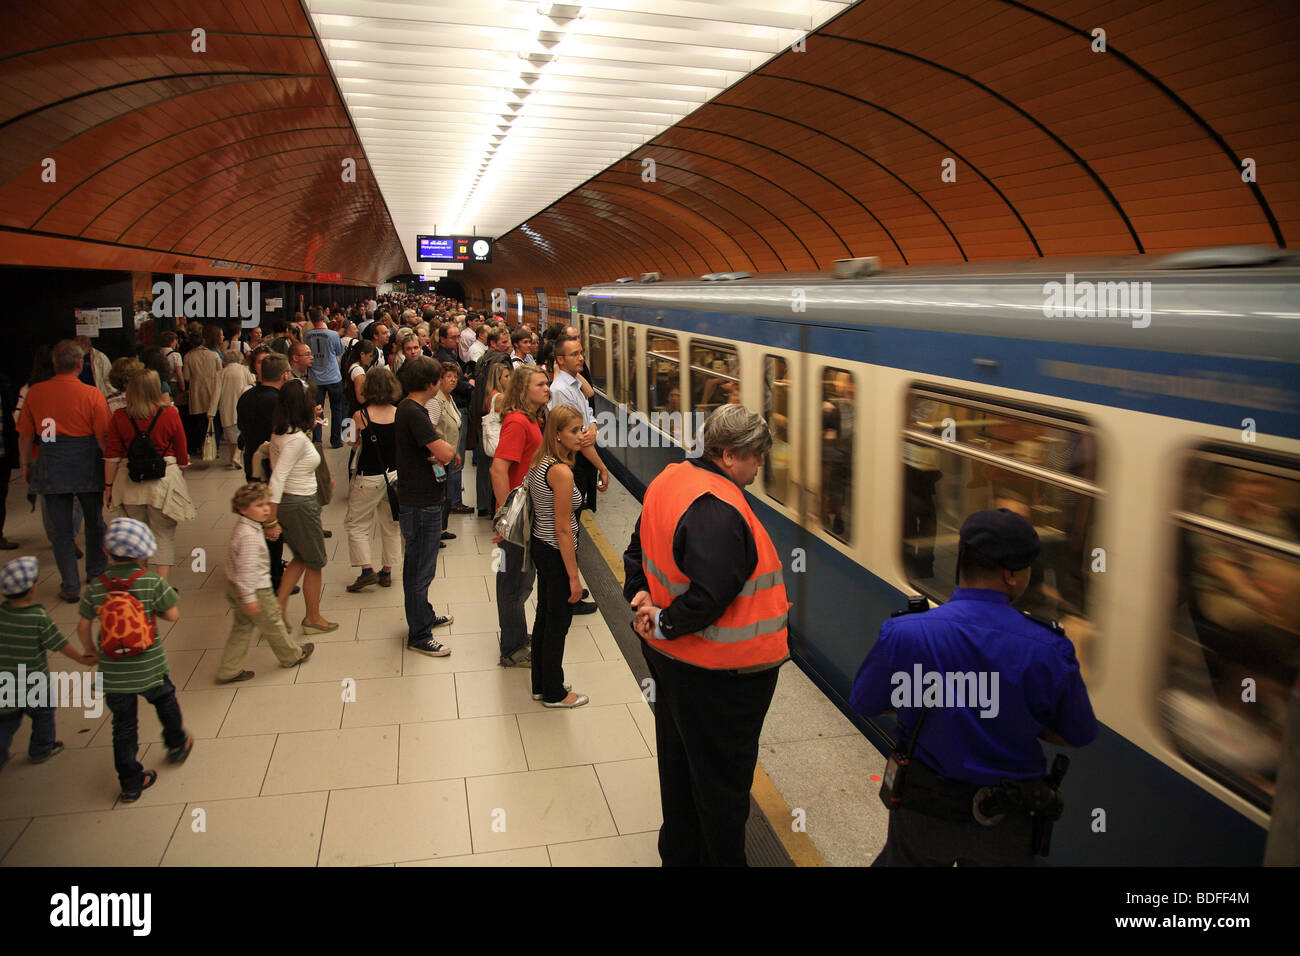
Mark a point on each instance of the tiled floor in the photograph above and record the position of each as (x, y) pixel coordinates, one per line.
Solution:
(367, 754)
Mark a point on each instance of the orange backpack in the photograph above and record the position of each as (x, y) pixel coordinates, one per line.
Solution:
(125, 630)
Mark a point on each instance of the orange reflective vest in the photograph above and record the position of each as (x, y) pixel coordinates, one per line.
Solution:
(752, 631)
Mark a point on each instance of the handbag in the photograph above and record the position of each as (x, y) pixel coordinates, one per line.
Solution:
(491, 429)
(388, 487)
(514, 519)
(210, 443)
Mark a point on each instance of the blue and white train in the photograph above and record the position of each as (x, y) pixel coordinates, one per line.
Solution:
(1143, 412)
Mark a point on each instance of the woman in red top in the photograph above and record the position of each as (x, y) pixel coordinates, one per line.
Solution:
(161, 503)
(526, 397)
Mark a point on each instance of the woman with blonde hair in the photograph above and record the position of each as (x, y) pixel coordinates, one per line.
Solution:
(375, 438)
(235, 379)
(554, 546)
(521, 435)
(160, 502)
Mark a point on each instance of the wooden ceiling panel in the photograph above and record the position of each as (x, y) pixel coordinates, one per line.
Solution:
(202, 154)
(1057, 149)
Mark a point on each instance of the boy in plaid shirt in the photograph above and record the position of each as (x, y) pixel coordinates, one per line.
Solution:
(26, 633)
(129, 544)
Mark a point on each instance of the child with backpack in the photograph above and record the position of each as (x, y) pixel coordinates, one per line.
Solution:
(26, 633)
(127, 599)
(248, 588)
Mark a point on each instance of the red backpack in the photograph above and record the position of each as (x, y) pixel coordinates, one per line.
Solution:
(125, 630)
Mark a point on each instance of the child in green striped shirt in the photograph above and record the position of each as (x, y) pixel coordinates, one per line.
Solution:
(26, 634)
(129, 544)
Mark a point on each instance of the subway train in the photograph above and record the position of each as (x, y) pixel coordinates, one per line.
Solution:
(1142, 411)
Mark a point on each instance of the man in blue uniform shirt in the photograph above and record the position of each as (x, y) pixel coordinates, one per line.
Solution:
(991, 682)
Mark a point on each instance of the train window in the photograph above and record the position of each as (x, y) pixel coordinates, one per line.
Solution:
(663, 388)
(619, 394)
(595, 355)
(715, 377)
(961, 456)
(837, 425)
(1234, 653)
(776, 409)
(633, 372)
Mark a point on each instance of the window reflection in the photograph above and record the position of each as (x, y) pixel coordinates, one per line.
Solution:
(1235, 651)
(776, 410)
(596, 355)
(942, 485)
(838, 420)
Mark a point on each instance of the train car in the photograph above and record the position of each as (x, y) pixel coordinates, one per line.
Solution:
(1143, 412)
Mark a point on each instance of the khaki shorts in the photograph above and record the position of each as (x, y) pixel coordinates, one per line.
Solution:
(299, 517)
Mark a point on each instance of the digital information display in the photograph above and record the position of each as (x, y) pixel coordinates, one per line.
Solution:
(453, 249)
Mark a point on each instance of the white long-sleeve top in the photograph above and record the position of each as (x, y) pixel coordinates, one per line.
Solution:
(293, 465)
(248, 563)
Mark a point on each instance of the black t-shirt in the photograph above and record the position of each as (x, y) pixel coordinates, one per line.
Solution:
(416, 487)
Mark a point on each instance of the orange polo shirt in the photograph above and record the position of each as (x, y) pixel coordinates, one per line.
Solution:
(77, 409)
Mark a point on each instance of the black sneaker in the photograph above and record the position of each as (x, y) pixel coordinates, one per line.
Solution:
(54, 752)
(182, 753)
(431, 647)
(150, 778)
(585, 607)
(441, 621)
(448, 536)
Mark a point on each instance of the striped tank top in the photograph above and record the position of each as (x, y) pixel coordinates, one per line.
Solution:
(544, 504)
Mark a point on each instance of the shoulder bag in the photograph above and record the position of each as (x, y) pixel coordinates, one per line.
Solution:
(392, 492)
(492, 429)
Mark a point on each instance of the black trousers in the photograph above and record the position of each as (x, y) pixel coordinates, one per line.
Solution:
(707, 724)
(5, 472)
(551, 626)
(918, 839)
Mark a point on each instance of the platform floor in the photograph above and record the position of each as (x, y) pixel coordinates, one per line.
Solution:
(442, 761)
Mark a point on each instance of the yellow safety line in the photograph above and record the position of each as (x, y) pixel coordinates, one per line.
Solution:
(798, 845)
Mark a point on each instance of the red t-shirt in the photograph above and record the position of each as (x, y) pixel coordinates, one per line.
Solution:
(519, 441)
(168, 436)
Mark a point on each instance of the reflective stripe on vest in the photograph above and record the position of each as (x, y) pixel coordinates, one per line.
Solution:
(752, 630)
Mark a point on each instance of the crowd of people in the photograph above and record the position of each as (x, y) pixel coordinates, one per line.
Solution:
(413, 384)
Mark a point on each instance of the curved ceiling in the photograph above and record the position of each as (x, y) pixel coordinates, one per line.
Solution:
(923, 131)
(128, 148)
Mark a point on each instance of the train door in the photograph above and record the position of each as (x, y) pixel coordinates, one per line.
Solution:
(782, 481)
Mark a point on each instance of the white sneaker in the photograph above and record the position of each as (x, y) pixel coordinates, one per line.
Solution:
(582, 699)
(567, 687)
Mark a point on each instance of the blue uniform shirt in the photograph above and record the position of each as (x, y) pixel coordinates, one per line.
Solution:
(998, 680)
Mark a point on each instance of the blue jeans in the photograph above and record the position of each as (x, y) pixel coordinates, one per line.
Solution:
(422, 531)
(455, 477)
(335, 392)
(58, 514)
(42, 741)
(513, 587)
(126, 742)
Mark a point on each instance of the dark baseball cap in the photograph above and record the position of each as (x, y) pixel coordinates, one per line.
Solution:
(1002, 536)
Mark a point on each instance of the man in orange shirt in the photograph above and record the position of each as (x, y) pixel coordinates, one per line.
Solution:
(70, 420)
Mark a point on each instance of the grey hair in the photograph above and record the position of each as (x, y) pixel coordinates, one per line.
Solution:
(738, 428)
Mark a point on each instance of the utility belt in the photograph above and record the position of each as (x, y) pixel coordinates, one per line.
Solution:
(909, 783)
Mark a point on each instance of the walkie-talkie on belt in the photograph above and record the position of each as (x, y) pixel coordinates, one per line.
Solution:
(895, 775)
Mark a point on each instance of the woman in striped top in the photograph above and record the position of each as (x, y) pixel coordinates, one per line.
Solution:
(556, 503)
